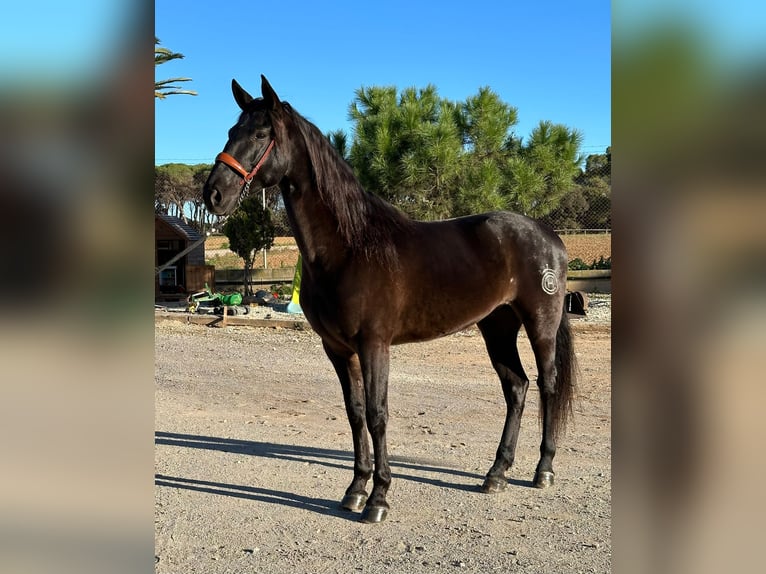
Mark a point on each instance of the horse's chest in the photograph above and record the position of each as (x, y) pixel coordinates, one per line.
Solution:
(330, 318)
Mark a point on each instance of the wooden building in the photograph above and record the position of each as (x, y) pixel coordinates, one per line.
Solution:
(188, 273)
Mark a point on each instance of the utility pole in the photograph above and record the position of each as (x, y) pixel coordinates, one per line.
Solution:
(263, 196)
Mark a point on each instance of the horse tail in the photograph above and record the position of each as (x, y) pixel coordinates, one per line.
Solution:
(566, 377)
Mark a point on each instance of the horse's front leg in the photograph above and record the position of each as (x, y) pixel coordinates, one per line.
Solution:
(350, 375)
(375, 363)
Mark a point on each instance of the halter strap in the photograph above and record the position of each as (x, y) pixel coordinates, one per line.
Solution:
(224, 157)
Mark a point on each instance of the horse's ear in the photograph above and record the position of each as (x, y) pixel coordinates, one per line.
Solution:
(240, 95)
(269, 95)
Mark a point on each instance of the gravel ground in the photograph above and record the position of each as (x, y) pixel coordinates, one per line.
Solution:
(253, 454)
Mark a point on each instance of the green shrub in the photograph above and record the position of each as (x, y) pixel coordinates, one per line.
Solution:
(578, 264)
(602, 263)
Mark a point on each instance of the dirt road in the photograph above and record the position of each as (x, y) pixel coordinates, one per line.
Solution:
(254, 453)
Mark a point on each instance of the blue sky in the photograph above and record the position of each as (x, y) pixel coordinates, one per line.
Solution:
(733, 31)
(549, 59)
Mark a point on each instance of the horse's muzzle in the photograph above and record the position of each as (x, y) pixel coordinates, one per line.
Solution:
(215, 202)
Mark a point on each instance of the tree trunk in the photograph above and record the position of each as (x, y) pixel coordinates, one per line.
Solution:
(248, 289)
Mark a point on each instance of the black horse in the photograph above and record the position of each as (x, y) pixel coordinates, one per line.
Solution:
(364, 262)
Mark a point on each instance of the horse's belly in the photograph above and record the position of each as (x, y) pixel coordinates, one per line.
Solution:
(429, 321)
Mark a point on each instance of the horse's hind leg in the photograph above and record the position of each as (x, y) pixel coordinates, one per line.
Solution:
(350, 375)
(554, 389)
(500, 330)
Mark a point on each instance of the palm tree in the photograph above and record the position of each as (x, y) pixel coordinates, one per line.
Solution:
(164, 88)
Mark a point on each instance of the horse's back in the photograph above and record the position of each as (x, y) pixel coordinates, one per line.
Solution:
(457, 271)
(478, 247)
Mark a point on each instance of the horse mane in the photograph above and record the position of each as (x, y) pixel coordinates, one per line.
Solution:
(366, 223)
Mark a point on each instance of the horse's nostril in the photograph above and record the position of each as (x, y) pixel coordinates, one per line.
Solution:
(212, 198)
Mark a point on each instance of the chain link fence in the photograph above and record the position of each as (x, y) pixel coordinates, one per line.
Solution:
(587, 207)
(584, 216)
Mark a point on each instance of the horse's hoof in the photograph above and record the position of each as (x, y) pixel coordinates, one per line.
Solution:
(354, 502)
(543, 479)
(492, 485)
(374, 514)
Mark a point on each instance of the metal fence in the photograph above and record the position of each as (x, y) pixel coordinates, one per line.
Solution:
(587, 206)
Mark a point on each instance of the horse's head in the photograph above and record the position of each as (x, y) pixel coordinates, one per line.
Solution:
(251, 156)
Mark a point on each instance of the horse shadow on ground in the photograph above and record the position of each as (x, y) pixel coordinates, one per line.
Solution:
(402, 468)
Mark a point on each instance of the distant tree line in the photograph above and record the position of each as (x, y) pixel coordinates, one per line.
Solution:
(178, 192)
(434, 158)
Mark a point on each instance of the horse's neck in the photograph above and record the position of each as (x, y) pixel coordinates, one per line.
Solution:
(314, 226)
